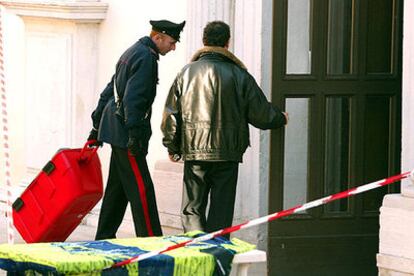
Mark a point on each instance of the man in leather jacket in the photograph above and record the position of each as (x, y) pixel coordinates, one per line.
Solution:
(122, 119)
(207, 112)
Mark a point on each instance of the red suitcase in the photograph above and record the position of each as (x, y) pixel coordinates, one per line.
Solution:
(66, 189)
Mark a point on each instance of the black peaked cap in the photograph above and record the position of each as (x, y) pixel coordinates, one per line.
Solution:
(168, 27)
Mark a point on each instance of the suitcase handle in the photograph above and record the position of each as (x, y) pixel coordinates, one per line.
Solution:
(82, 157)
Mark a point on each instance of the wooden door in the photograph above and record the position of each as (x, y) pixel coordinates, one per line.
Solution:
(337, 71)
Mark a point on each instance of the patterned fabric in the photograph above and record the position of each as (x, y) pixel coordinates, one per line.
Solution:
(213, 257)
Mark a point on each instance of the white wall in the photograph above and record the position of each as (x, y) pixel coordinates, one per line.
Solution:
(407, 158)
(396, 255)
(125, 23)
(13, 47)
(247, 46)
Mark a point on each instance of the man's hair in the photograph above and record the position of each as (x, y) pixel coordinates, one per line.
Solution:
(216, 33)
(154, 33)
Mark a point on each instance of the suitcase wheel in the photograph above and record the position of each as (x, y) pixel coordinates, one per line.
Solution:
(18, 204)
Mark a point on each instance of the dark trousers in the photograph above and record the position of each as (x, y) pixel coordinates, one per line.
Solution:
(129, 180)
(204, 181)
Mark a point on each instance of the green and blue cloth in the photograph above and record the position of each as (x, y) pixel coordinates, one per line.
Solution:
(212, 257)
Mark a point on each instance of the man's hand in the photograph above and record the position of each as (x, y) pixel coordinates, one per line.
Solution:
(286, 117)
(135, 142)
(93, 136)
(174, 157)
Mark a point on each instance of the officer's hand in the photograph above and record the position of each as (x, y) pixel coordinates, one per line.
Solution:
(135, 142)
(93, 136)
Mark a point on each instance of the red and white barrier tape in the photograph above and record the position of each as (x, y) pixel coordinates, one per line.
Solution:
(271, 217)
(6, 148)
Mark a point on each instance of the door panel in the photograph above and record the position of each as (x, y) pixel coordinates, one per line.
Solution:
(309, 250)
(337, 138)
(340, 45)
(337, 71)
(376, 148)
(296, 153)
(379, 36)
(299, 50)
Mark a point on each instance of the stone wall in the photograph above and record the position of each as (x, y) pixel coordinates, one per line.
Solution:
(396, 254)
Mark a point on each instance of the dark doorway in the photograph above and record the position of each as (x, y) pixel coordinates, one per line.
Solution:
(337, 71)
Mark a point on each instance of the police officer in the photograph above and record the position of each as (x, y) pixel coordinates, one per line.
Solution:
(122, 119)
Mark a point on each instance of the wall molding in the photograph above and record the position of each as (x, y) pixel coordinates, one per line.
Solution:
(85, 11)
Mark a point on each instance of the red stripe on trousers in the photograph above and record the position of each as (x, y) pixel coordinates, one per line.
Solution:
(142, 193)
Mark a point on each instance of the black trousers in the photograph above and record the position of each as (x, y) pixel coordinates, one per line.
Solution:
(129, 181)
(203, 181)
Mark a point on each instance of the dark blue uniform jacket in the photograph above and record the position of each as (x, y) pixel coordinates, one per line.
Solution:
(136, 79)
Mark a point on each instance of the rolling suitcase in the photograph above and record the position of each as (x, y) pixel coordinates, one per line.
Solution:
(56, 201)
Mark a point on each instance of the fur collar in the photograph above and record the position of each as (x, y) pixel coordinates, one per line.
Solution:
(218, 50)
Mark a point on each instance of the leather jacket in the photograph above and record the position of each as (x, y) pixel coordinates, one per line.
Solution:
(210, 106)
